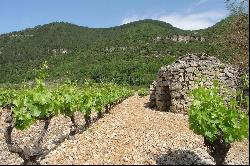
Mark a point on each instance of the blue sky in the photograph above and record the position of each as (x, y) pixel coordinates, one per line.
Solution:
(185, 14)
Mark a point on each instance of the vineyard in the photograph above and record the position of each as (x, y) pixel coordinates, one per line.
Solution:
(162, 88)
(42, 103)
(29, 104)
(129, 134)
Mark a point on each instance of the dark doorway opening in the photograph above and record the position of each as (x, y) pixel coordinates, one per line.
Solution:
(166, 98)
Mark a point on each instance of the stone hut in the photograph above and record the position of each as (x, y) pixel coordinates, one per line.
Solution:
(170, 91)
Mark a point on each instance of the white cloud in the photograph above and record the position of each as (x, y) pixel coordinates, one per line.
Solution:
(191, 21)
(130, 19)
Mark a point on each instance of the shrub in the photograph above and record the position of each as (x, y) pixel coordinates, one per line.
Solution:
(218, 122)
(143, 92)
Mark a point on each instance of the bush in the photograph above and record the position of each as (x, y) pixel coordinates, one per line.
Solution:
(143, 92)
(220, 124)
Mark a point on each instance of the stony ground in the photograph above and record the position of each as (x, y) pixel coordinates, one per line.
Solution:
(130, 134)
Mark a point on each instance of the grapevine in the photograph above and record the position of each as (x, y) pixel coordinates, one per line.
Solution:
(28, 104)
(219, 123)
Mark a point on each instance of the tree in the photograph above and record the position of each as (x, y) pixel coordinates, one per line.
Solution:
(237, 35)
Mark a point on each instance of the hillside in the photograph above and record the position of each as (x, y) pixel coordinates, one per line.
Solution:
(127, 54)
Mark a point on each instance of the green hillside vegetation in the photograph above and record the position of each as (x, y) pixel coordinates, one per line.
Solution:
(126, 54)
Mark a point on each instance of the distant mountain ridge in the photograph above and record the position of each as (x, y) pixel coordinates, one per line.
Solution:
(72, 45)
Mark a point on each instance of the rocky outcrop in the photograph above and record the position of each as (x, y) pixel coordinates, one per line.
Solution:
(180, 38)
(170, 91)
(19, 35)
(113, 48)
(60, 51)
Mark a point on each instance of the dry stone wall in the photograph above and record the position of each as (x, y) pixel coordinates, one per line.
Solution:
(170, 91)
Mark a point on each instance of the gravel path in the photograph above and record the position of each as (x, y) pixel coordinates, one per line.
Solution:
(130, 134)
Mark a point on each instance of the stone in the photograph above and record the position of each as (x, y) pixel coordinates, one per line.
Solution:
(163, 83)
(167, 74)
(175, 94)
(173, 108)
(152, 92)
(125, 159)
(175, 87)
(176, 76)
(181, 79)
(191, 77)
(159, 79)
(208, 84)
(223, 78)
(190, 69)
(222, 75)
(194, 64)
(152, 88)
(191, 83)
(163, 68)
(181, 62)
(160, 73)
(182, 76)
(152, 97)
(229, 75)
(175, 70)
(186, 78)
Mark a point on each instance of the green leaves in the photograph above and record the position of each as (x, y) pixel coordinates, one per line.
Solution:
(38, 102)
(143, 92)
(209, 114)
(6, 96)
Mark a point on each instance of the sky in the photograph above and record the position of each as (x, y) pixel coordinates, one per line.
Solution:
(17, 15)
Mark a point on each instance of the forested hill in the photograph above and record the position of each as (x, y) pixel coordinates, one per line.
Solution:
(126, 54)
